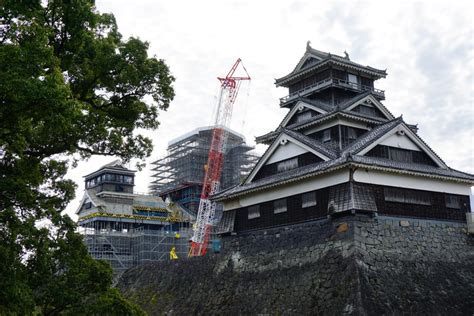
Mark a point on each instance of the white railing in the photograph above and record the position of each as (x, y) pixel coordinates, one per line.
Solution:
(330, 82)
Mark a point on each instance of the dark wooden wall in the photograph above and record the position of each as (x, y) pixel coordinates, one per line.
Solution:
(295, 213)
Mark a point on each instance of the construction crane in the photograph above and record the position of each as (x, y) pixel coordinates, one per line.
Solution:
(230, 86)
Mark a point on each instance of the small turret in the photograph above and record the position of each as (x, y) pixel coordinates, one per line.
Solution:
(112, 177)
(328, 78)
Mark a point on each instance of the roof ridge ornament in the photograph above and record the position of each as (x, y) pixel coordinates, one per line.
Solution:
(346, 55)
(308, 46)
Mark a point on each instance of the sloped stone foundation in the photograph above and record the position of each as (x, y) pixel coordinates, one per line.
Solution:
(351, 265)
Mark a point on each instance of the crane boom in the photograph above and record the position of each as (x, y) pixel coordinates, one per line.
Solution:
(207, 209)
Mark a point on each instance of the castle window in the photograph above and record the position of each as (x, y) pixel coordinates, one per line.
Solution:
(453, 201)
(304, 116)
(400, 155)
(326, 136)
(287, 165)
(367, 110)
(253, 212)
(407, 196)
(308, 199)
(352, 78)
(351, 133)
(279, 206)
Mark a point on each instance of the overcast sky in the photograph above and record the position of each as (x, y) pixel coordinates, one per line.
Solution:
(426, 46)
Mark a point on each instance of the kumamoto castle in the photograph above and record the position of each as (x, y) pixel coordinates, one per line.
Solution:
(339, 150)
(349, 211)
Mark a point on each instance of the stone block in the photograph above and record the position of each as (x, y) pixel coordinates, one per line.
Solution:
(404, 223)
(343, 227)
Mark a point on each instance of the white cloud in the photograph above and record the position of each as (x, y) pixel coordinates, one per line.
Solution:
(427, 47)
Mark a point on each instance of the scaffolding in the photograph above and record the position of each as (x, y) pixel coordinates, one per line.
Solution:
(180, 173)
(127, 244)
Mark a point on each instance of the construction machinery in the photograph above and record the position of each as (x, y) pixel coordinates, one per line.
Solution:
(229, 89)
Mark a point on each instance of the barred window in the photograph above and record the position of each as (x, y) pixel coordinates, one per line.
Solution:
(401, 155)
(253, 211)
(287, 164)
(453, 201)
(304, 116)
(407, 196)
(352, 78)
(351, 133)
(308, 199)
(367, 110)
(326, 135)
(279, 206)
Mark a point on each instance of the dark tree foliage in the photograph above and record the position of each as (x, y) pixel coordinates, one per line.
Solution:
(70, 87)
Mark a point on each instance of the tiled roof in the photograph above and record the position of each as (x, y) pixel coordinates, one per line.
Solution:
(359, 97)
(353, 100)
(317, 120)
(284, 177)
(377, 132)
(371, 136)
(331, 112)
(330, 58)
(324, 106)
(412, 167)
(115, 166)
(348, 156)
(331, 165)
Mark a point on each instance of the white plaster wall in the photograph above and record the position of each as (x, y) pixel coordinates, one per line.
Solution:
(411, 182)
(286, 151)
(306, 185)
(400, 141)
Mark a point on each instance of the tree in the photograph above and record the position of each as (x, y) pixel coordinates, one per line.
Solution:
(70, 87)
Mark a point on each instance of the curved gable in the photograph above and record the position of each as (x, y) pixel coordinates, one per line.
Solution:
(403, 138)
(284, 148)
(300, 107)
(370, 102)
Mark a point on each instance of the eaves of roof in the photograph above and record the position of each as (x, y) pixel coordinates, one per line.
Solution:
(321, 105)
(412, 168)
(371, 163)
(377, 132)
(281, 178)
(371, 136)
(330, 60)
(318, 120)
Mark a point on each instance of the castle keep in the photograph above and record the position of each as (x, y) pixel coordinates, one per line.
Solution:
(340, 150)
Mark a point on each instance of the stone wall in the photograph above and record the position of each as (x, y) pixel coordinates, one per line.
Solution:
(351, 265)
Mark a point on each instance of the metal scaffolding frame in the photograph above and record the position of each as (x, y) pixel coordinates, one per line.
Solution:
(187, 156)
(127, 244)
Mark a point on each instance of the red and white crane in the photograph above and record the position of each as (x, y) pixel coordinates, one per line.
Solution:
(207, 209)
